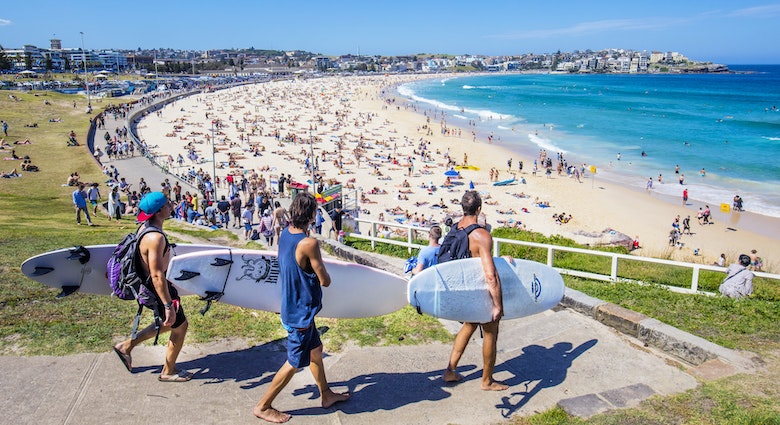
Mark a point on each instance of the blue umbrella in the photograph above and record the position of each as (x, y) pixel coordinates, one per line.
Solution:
(471, 185)
(451, 173)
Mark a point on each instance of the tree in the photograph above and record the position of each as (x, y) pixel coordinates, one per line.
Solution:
(49, 63)
(67, 63)
(28, 62)
(5, 63)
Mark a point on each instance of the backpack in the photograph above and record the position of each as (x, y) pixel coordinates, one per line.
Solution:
(125, 280)
(456, 244)
(265, 230)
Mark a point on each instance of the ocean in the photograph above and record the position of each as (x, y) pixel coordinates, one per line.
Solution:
(726, 124)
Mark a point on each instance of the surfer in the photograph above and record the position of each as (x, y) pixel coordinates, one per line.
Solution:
(302, 274)
(154, 252)
(480, 245)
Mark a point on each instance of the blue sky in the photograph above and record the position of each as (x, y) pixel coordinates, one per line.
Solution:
(729, 32)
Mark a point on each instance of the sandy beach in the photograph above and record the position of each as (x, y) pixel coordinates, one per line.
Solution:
(366, 137)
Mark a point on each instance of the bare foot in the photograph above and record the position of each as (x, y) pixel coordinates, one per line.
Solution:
(330, 398)
(495, 386)
(271, 415)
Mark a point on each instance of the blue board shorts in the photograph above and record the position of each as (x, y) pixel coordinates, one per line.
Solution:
(300, 343)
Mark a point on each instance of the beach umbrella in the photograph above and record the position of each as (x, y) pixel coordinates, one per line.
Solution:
(451, 173)
(471, 185)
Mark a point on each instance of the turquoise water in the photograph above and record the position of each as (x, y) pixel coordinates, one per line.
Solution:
(728, 124)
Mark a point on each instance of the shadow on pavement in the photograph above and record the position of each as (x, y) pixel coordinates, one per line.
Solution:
(546, 367)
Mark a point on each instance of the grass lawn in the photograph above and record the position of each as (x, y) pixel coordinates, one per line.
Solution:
(37, 216)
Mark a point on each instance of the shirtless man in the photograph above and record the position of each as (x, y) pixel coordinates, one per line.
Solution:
(154, 252)
(480, 246)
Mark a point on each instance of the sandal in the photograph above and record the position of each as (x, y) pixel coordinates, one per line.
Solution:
(182, 376)
(126, 359)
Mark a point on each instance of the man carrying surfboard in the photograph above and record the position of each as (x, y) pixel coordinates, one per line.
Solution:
(154, 253)
(302, 273)
(480, 244)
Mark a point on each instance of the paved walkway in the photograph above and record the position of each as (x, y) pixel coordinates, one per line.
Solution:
(555, 358)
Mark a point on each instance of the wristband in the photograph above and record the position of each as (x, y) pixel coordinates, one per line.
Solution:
(168, 306)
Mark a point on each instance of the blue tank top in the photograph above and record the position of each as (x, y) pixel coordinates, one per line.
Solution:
(301, 290)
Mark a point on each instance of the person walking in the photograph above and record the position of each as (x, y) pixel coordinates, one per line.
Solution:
(80, 202)
(154, 255)
(480, 244)
(246, 216)
(93, 194)
(114, 204)
(235, 208)
(281, 218)
(302, 274)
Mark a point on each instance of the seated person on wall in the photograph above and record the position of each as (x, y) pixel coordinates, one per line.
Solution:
(739, 280)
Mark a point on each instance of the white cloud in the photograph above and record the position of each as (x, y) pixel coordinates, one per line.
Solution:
(594, 27)
(4, 22)
(766, 11)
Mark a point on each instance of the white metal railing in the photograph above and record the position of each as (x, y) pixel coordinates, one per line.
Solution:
(410, 232)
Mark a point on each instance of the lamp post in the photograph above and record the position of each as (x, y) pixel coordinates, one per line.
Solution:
(213, 160)
(86, 79)
(311, 165)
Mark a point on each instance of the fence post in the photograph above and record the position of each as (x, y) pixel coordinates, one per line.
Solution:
(695, 279)
(374, 235)
(550, 256)
(613, 273)
(410, 239)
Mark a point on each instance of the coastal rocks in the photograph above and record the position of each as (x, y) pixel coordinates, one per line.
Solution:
(607, 237)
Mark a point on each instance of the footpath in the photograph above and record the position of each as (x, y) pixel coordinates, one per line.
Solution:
(586, 356)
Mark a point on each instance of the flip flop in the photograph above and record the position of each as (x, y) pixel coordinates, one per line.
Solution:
(182, 376)
(126, 359)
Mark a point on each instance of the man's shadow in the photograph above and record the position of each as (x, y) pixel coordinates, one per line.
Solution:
(382, 391)
(546, 367)
(247, 366)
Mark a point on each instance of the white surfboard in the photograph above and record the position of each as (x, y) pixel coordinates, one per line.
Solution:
(83, 268)
(456, 290)
(249, 278)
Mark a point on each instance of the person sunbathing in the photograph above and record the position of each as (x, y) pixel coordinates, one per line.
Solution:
(27, 165)
(10, 174)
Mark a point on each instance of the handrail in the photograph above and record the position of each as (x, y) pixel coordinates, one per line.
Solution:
(551, 249)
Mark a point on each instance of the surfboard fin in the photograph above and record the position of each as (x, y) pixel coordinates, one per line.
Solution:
(186, 275)
(67, 290)
(219, 262)
(417, 307)
(209, 298)
(40, 271)
(79, 253)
